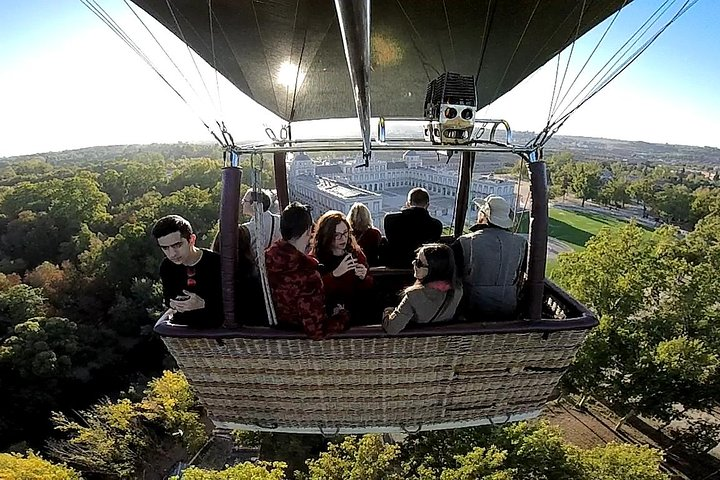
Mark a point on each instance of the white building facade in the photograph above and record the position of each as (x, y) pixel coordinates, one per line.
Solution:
(337, 186)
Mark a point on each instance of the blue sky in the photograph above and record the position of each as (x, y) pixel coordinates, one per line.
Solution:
(66, 81)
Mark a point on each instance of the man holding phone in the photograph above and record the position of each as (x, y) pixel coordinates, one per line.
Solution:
(190, 275)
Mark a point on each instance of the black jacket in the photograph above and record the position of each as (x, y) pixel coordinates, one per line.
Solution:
(406, 231)
(205, 283)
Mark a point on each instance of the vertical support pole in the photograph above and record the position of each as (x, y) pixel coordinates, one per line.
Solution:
(537, 254)
(229, 211)
(281, 183)
(354, 19)
(467, 161)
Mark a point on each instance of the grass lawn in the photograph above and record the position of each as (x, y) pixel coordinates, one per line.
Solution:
(573, 227)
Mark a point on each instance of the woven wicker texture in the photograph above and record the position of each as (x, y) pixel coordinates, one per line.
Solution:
(366, 383)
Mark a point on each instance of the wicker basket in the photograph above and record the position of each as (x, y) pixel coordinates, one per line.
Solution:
(364, 380)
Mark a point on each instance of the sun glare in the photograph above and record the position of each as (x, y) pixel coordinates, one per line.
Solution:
(288, 74)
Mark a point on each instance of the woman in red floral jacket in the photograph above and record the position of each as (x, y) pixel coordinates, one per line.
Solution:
(296, 284)
(343, 264)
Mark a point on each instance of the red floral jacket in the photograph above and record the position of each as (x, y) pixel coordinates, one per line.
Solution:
(298, 292)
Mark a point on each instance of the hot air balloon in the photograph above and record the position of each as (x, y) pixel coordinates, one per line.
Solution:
(431, 64)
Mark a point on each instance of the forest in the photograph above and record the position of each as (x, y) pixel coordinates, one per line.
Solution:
(89, 391)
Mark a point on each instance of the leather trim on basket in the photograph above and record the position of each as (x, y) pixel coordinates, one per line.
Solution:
(579, 318)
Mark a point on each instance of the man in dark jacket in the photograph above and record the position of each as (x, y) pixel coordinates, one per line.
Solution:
(410, 228)
(190, 276)
(296, 284)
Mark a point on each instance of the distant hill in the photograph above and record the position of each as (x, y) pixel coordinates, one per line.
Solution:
(583, 148)
(591, 148)
(112, 152)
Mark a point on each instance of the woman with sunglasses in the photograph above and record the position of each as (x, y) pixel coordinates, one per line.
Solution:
(343, 264)
(436, 294)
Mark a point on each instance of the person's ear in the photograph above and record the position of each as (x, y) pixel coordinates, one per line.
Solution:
(192, 239)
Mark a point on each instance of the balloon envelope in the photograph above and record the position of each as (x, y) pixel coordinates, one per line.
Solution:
(288, 55)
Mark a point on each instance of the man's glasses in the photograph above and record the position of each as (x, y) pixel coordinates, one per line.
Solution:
(190, 276)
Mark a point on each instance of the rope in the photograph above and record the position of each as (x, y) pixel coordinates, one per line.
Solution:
(267, 64)
(107, 19)
(423, 59)
(212, 47)
(517, 47)
(447, 23)
(582, 69)
(192, 57)
(611, 76)
(259, 250)
(619, 53)
(489, 17)
(572, 46)
(130, 7)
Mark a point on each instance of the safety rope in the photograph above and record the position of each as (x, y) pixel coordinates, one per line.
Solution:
(107, 19)
(192, 57)
(259, 230)
(212, 48)
(625, 64)
(572, 48)
(587, 61)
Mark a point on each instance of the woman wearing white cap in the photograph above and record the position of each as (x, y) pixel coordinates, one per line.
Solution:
(491, 262)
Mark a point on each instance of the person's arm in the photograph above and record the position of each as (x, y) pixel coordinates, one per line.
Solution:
(367, 282)
(395, 320)
(459, 257)
(438, 230)
(311, 309)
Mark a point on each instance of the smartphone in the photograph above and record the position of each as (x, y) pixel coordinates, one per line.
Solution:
(182, 298)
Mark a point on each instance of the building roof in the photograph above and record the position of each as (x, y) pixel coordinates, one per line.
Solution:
(328, 169)
(396, 165)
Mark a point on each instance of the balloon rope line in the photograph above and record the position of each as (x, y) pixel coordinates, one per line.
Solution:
(129, 5)
(572, 49)
(452, 44)
(517, 47)
(420, 37)
(212, 47)
(620, 53)
(271, 77)
(587, 61)
(489, 16)
(192, 57)
(110, 23)
(259, 250)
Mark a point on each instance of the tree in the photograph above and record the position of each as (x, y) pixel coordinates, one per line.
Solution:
(41, 347)
(19, 303)
(642, 191)
(656, 294)
(621, 461)
(673, 203)
(356, 458)
(117, 438)
(585, 181)
(32, 467)
(243, 471)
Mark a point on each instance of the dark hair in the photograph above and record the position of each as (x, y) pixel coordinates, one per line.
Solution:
(325, 235)
(440, 264)
(170, 224)
(295, 220)
(419, 197)
(259, 196)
